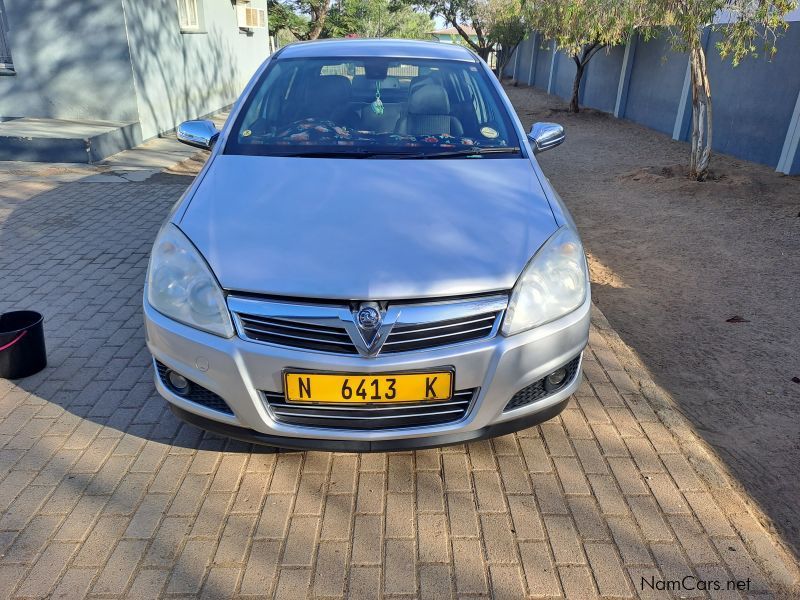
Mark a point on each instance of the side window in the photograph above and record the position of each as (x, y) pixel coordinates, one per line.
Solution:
(6, 65)
(456, 85)
(477, 99)
(345, 69)
(269, 99)
(290, 87)
(190, 16)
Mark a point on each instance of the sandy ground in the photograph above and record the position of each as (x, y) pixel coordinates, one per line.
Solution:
(701, 279)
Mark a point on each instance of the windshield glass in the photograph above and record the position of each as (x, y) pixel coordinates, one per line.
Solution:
(373, 106)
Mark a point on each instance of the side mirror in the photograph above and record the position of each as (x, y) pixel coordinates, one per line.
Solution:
(200, 134)
(544, 136)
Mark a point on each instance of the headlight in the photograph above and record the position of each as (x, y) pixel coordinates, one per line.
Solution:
(554, 283)
(181, 286)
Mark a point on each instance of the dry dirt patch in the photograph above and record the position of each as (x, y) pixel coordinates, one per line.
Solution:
(673, 262)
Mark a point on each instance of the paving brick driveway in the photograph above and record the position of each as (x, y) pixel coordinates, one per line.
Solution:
(103, 492)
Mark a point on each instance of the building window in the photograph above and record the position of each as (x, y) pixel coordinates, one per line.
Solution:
(6, 66)
(190, 15)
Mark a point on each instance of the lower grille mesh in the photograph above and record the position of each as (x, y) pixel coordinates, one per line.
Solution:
(537, 391)
(370, 416)
(197, 394)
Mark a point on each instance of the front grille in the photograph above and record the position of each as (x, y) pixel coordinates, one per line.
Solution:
(404, 338)
(370, 416)
(405, 326)
(297, 334)
(537, 391)
(197, 393)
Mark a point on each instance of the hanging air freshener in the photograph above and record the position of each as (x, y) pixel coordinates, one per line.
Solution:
(377, 105)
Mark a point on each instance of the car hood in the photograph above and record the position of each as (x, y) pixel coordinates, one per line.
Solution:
(368, 228)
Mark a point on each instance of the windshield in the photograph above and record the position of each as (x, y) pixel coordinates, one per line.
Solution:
(372, 107)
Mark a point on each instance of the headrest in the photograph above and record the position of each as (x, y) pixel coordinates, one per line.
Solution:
(332, 87)
(429, 100)
(433, 77)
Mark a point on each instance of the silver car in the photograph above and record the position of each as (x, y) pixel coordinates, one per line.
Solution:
(370, 260)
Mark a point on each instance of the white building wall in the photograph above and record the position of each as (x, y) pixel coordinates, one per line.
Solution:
(180, 75)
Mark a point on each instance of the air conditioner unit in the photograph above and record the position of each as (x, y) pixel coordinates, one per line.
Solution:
(251, 18)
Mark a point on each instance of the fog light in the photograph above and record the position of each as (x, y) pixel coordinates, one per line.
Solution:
(555, 379)
(178, 382)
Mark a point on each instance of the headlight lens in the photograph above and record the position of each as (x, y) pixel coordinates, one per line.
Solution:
(554, 283)
(181, 286)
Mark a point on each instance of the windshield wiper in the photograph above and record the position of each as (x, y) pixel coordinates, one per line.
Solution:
(475, 151)
(364, 153)
(343, 154)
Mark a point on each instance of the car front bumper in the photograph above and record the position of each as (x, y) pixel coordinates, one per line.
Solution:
(239, 370)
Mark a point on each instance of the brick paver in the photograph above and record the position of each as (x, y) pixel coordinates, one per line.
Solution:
(103, 492)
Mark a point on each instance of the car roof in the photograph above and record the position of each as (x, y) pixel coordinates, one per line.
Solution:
(392, 48)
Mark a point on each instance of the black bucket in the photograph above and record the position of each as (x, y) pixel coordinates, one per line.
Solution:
(22, 351)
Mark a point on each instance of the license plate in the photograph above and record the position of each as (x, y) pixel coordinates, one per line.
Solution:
(348, 388)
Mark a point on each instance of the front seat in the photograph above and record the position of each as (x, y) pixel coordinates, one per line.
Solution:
(329, 99)
(429, 113)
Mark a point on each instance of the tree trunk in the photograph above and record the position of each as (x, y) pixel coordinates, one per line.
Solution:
(581, 60)
(499, 62)
(483, 52)
(701, 114)
(574, 103)
(318, 16)
(503, 58)
(480, 48)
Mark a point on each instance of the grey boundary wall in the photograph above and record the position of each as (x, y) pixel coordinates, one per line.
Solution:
(756, 104)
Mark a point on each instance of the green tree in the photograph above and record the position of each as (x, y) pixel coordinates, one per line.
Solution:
(376, 18)
(582, 28)
(305, 19)
(413, 25)
(506, 26)
(459, 13)
(496, 23)
(743, 26)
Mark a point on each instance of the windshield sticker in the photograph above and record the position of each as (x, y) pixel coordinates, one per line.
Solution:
(488, 132)
(247, 133)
